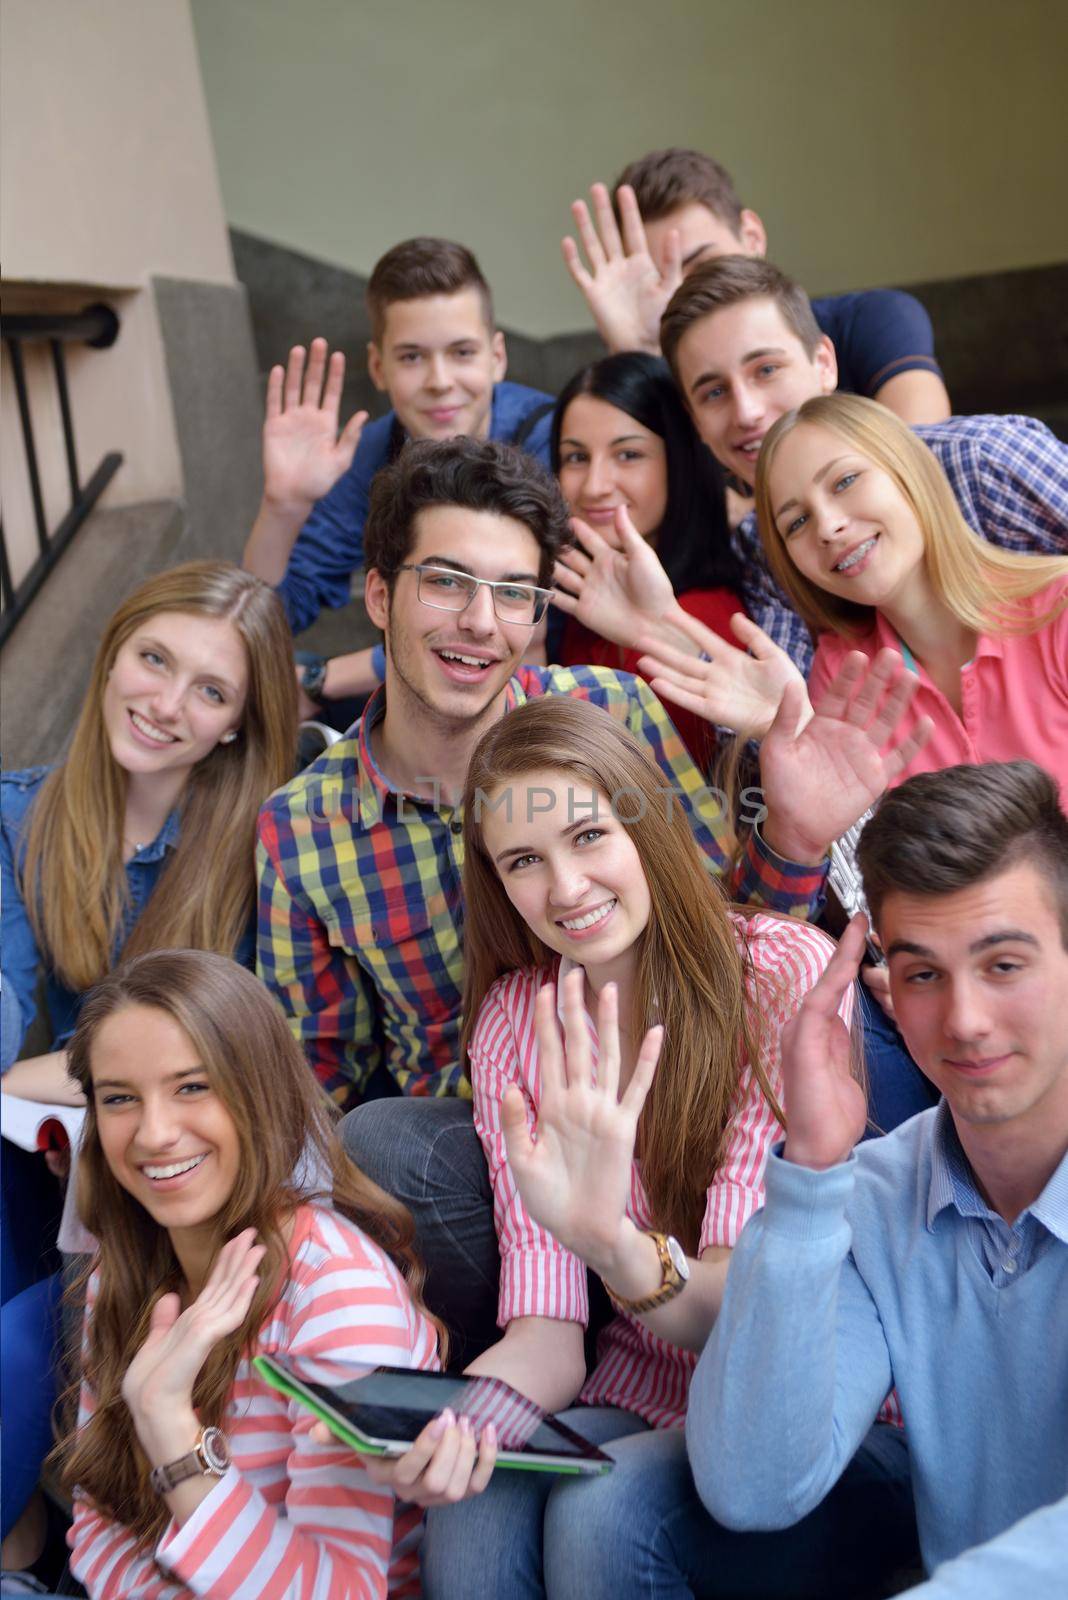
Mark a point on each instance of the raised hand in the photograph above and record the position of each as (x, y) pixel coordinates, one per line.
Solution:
(615, 589)
(826, 1111)
(574, 1178)
(303, 456)
(625, 289)
(158, 1386)
(739, 689)
(821, 776)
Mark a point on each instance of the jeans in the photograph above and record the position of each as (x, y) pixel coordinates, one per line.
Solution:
(427, 1154)
(897, 1089)
(641, 1530)
(30, 1333)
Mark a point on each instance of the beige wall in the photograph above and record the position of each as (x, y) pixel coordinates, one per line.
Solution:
(882, 140)
(108, 178)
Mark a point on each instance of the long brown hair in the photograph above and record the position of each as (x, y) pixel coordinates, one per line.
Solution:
(690, 974)
(289, 1154)
(981, 584)
(73, 878)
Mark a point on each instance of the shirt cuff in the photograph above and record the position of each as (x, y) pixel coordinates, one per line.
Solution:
(536, 1283)
(770, 879)
(803, 1204)
(173, 1550)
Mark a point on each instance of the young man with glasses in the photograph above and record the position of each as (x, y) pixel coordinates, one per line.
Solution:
(360, 856)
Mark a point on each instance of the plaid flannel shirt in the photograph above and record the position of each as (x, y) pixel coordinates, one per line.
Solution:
(360, 920)
(1010, 477)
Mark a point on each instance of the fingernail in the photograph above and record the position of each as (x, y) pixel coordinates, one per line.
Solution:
(489, 1433)
(439, 1424)
(465, 1426)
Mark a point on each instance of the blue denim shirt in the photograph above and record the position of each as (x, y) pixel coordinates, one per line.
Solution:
(21, 956)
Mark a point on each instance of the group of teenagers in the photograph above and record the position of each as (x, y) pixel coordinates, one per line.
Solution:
(506, 1036)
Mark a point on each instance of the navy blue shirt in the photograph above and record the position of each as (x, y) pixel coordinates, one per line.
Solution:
(329, 547)
(877, 334)
(21, 957)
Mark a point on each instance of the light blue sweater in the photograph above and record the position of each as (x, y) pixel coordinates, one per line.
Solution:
(868, 1276)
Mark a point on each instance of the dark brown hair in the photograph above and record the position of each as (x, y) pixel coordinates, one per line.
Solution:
(665, 180)
(420, 267)
(940, 832)
(691, 975)
(726, 282)
(290, 1155)
(476, 474)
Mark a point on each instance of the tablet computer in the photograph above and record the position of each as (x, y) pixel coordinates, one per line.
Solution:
(382, 1411)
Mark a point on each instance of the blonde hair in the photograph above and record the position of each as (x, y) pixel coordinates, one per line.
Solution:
(690, 974)
(285, 1128)
(73, 878)
(982, 585)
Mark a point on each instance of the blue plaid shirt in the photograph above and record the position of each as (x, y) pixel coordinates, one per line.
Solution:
(1010, 477)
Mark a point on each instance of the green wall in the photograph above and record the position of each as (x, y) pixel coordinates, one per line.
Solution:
(890, 142)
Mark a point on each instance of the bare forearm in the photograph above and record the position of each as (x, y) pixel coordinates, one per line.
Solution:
(44, 1078)
(350, 675)
(540, 1357)
(274, 533)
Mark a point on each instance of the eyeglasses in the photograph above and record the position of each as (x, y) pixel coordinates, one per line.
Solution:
(445, 590)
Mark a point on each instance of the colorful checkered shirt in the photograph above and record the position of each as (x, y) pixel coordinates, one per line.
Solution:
(1010, 477)
(360, 931)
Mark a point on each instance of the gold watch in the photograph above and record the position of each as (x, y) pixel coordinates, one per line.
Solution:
(675, 1274)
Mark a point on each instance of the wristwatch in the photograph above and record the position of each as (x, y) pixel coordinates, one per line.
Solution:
(314, 676)
(675, 1274)
(209, 1457)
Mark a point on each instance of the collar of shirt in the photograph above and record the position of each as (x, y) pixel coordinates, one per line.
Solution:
(986, 644)
(953, 1184)
(375, 788)
(166, 839)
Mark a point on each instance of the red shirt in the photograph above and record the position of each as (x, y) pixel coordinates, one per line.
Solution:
(580, 646)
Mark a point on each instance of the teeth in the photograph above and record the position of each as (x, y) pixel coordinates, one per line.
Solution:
(146, 728)
(172, 1171)
(468, 661)
(856, 555)
(576, 924)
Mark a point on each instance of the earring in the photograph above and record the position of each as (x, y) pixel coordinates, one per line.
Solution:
(228, 738)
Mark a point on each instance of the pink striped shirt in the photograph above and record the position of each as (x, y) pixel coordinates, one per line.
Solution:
(635, 1369)
(1014, 694)
(291, 1518)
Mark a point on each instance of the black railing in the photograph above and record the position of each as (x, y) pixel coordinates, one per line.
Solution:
(98, 327)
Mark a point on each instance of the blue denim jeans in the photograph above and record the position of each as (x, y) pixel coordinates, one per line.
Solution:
(897, 1089)
(641, 1530)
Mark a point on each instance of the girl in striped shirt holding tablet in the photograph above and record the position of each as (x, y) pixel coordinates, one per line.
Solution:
(231, 1224)
(623, 1042)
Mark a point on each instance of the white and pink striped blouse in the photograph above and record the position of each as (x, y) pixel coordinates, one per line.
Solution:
(291, 1518)
(635, 1369)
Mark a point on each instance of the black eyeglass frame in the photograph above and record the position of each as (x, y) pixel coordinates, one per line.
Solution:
(541, 596)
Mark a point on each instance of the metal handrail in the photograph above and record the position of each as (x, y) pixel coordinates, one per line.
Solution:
(98, 327)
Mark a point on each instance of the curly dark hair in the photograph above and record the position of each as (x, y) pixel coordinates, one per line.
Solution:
(475, 474)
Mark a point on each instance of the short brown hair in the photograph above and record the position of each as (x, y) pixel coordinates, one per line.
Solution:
(420, 267)
(726, 282)
(664, 180)
(477, 474)
(940, 832)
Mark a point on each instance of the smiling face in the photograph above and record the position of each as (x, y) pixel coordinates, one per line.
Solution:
(454, 665)
(978, 979)
(570, 869)
(438, 362)
(844, 521)
(166, 1135)
(740, 369)
(607, 460)
(177, 687)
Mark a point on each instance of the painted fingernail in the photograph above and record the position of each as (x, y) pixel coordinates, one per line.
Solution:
(489, 1433)
(439, 1424)
(465, 1426)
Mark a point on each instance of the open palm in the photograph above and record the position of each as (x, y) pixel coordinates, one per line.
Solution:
(303, 455)
(574, 1177)
(739, 689)
(613, 587)
(625, 289)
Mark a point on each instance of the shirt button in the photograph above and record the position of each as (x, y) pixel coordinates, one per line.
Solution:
(1008, 1266)
(456, 826)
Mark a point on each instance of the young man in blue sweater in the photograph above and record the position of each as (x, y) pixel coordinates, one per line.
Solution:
(933, 1261)
(436, 352)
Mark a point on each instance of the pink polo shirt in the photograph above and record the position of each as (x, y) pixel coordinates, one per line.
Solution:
(1014, 694)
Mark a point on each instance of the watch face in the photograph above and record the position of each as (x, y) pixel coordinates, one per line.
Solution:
(215, 1449)
(678, 1258)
